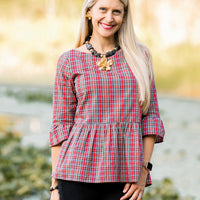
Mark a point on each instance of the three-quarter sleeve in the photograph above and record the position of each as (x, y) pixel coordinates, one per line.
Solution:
(64, 103)
(151, 122)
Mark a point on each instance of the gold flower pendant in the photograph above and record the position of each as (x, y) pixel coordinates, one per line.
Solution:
(104, 64)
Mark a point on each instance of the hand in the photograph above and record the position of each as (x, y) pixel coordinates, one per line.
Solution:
(55, 195)
(136, 189)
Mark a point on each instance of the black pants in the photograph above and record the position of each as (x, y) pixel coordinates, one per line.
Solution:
(74, 190)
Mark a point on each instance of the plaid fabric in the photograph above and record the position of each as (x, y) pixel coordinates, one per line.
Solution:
(97, 116)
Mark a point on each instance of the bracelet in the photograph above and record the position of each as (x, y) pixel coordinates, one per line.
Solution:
(53, 188)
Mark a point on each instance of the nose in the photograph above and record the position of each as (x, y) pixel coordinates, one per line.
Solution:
(109, 17)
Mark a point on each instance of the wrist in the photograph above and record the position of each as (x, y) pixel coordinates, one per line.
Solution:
(52, 188)
(147, 165)
(143, 176)
(144, 170)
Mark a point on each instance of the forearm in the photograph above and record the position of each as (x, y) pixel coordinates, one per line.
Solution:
(55, 150)
(148, 145)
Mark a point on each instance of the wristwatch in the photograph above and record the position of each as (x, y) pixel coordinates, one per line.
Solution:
(147, 165)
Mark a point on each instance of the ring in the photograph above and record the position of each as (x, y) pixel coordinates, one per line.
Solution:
(140, 195)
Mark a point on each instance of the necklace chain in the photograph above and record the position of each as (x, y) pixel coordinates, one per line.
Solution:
(103, 64)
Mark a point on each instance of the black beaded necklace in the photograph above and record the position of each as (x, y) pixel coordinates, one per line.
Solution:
(104, 64)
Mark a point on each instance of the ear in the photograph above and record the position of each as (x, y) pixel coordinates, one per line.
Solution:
(90, 11)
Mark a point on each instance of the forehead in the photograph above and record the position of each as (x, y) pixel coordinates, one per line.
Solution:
(117, 4)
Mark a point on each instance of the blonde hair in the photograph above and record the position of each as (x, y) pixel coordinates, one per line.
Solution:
(132, 49)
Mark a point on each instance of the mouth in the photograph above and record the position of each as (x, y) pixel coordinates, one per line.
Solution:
(106, 26)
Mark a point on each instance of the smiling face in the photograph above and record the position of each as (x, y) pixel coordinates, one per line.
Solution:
(107, 16)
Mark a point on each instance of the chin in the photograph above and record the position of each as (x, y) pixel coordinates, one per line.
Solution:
(108, 35)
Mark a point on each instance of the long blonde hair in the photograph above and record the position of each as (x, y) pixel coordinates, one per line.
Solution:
(132, 50)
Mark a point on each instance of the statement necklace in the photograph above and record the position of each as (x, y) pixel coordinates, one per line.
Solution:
(103, 64)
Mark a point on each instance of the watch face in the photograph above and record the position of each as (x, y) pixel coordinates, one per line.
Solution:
(149, 166)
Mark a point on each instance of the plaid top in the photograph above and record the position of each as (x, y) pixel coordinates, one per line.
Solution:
(98, 117)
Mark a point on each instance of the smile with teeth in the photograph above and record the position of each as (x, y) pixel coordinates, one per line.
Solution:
(106, 26)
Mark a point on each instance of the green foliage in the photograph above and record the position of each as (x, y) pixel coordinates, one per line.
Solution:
(163, 190)
(24, 172)
(178, 68)
(31, 96)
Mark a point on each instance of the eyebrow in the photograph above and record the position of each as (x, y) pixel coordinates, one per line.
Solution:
(112, 9)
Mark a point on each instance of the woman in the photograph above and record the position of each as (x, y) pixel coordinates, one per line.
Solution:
(106, 116)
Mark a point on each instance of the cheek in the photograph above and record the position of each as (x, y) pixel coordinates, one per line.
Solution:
(119, 23)
(97, 18)
(119, 20)
(95, 21)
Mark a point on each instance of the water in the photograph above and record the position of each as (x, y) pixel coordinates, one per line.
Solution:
(32, 119)
(178, 157)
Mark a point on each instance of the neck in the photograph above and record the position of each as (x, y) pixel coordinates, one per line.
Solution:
(101, 44)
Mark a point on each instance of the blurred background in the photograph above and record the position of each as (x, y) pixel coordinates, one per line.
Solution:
(34, 33)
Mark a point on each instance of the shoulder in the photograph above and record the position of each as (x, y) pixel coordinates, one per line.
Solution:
(66, 57)
(70, 59)
(63, 57)
(64, 61)
(72, 53)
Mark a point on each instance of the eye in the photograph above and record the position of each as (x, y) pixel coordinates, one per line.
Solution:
(102, 9)
(117, 11)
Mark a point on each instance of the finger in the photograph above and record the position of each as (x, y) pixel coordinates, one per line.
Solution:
(135, 194)
(140, 196)
(127, 185)
(130, 191)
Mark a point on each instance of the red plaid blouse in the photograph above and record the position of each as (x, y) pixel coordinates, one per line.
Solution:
(98, 117)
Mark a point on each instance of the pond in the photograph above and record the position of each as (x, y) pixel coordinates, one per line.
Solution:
(28, 111)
